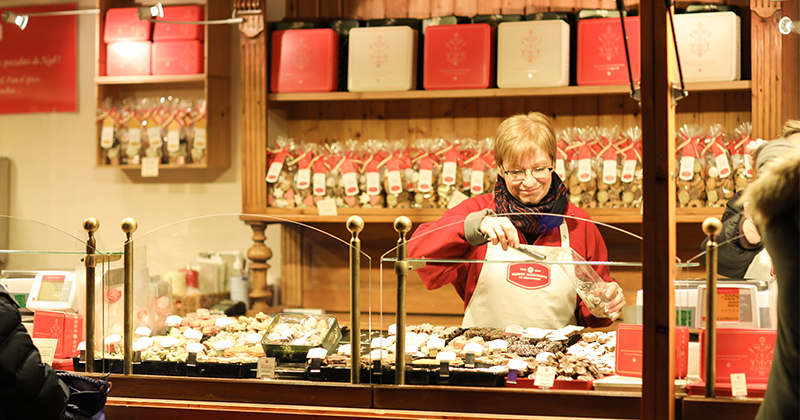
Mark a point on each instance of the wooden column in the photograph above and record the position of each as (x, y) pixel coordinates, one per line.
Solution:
(774, 67)
(253, 43)
(658, 224)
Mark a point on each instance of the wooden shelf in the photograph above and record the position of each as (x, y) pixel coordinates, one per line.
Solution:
(145, 80)
(740, 85)
(161, 167)
(604, 215)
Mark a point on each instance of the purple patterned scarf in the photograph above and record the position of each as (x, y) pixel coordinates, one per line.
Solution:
(527, 218)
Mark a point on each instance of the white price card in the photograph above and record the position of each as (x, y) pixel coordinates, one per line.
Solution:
(316, 353)
(456, 199)
(327, 207)
(738, 385)
(150, 167)
(47, 348)
(545, 376)
(265, 368)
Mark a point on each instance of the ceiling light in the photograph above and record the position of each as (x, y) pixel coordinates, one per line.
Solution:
(22, 20)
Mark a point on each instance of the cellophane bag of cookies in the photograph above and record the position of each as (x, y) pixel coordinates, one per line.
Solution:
(607, 166)
(560, 167)
(582, 182)
(394, 167)
(631, 163)
(303, 177)
(134, 150)
(280, 175)
(154, 136)
(468, 152)
(172, 113)
(373, 153)
(491, 171)
(717, 171)
(450, 174)
(426, 174)
(196, 134)
(347, 191)
(109, 145)
(690, 185)
(740, 159)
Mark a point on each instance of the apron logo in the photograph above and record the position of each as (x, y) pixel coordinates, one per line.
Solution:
(528, 276)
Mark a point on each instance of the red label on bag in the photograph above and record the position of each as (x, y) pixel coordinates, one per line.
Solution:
(528, 276)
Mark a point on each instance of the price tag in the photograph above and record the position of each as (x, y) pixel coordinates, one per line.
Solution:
(154, 135)
(265, 368)
(327, 207)
(135, 138)
(107, 136)
(628, 170)
(545, 376)
(149, 167)
(317, 353)
(47, 348)
(456, 199)
(199, 138)
(303, 178)
(738, 385)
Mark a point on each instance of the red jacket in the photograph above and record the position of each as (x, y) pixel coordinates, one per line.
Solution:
(445, 238)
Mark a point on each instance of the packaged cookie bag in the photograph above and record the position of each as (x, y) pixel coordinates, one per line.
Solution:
(479, 171)
(718, 174)
(491, 170)
(582, 181)
(742, 162)
(301, 182)
(280, 175)
(631, 175)
(690, 185)
(466, 155)
(426, 173)
(372, 196)
(394, 168)
(173, 114)
(609, 188)
(345, 173)
(109, 145)
(561, 155)
(154, 136)
(450, 174)
(133, 149)
(196, 134)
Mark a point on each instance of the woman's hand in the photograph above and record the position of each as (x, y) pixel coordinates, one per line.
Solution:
(751, 237)
(616, 298)
(500, 231)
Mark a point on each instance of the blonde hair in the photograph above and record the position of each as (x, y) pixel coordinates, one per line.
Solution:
(791, 127)
(522, 135)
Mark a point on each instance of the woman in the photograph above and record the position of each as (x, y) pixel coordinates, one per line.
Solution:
(527, 294)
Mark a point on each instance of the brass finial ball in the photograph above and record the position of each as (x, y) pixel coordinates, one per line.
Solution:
(402, 224)
(90, 224)
(355, 224)
(712, 226)
(129, 225)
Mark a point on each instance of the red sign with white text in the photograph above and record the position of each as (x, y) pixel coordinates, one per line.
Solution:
(528, 276)
(38, 65)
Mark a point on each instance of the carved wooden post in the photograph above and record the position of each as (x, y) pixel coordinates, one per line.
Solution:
(253, 43)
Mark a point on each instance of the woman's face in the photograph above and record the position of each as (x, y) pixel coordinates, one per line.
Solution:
(529, 190)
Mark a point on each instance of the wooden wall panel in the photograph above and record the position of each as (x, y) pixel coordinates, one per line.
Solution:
(466, 8)
(397, 113)
(466, 119)
(489, 7)
(442, 7)
(442, 122)
(397, 9)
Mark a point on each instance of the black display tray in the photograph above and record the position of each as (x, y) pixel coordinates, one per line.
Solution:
(155, 367)
(384, 376)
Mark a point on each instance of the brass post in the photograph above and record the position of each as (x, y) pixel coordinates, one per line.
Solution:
(129, 226)
(402, 225)
(90, 225)
(711, 227)
(355, 225)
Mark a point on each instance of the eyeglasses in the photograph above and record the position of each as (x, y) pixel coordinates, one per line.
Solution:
(540, 173)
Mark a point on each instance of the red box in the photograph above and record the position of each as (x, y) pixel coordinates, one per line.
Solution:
(177, 57)
(128, 58)
(123, 25)
(66, 327)
(304, 60)
(180, 32)
(741, 350)
(630, 339)
(459, 57)
(557, 384)
(601, 51)
(698, 388)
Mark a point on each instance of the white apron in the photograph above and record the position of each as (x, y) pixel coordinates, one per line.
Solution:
(528, 294)
(761, 267)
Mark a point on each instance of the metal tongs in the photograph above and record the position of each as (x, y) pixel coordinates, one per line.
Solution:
(533, 254)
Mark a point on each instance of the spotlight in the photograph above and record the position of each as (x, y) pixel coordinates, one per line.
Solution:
(150, 12)
(786, 26)
(20, 20)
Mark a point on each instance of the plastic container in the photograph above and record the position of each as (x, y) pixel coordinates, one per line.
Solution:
(289, 337)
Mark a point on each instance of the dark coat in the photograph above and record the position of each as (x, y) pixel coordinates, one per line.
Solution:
(29, 389)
